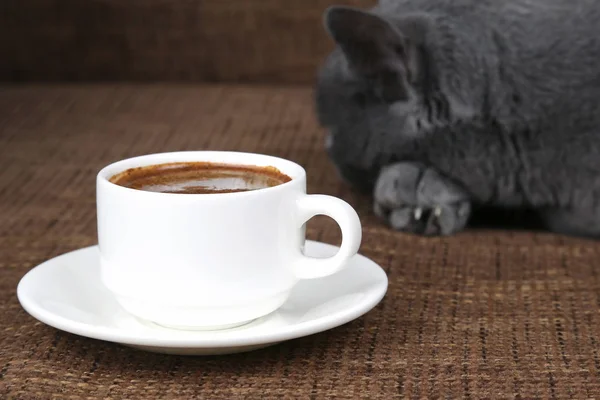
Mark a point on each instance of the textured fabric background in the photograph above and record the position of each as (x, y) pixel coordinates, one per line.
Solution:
(184, 40)
(479, 315)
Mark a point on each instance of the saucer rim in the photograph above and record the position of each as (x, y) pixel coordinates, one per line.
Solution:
(217, 339)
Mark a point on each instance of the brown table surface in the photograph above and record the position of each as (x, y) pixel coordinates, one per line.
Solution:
(484, 314)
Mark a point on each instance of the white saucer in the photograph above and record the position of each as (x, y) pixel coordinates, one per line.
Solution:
(66, 293)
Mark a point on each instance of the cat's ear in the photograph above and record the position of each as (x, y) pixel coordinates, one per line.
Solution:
(374, 48)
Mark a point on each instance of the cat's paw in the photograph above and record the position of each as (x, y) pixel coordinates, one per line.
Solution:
(410, 197)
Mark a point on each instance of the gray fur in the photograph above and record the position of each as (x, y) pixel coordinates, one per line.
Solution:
(500, 98)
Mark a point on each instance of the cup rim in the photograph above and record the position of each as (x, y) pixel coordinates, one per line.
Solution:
(292, 169)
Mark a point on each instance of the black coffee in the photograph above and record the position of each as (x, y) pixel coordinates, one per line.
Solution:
(199, 177)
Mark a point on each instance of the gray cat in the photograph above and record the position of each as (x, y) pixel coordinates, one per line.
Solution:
(439, 108)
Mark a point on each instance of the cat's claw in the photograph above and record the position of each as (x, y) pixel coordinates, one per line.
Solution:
(412, 198)
(418, 213)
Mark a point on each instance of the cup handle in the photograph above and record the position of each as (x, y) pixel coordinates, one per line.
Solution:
(346, 217)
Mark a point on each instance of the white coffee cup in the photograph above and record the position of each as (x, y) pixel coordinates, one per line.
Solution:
(212, 261)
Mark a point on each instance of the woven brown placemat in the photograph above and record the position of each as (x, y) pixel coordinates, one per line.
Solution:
(479, 315)
(266, 41)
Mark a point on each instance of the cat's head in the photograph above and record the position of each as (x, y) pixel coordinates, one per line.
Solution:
(374, 91)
